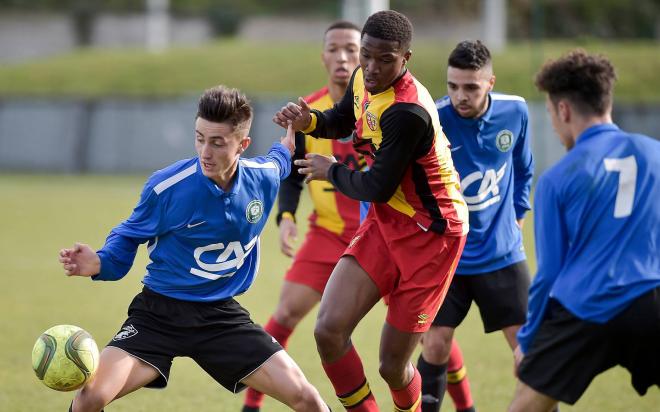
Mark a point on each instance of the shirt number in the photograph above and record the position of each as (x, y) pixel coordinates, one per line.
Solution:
(627, 169)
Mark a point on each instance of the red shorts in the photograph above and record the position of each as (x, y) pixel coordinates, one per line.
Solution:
(316, 258)
(414, 267)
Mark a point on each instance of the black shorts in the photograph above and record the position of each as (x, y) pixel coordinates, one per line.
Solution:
(567, 352)
(219, 336)
(501, 296)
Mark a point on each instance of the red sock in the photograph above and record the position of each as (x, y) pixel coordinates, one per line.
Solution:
(458, 384)
(409, 399)
(351, 386)
(253, 398)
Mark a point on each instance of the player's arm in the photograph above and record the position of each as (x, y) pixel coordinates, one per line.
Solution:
(523, 171)
(403, 126)
(551, 238)
(147, 221)
(288, 200)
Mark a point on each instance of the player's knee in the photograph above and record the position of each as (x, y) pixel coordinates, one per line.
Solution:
(329, 338)
(288, 316)
(393, 372)
(436, 347)
(91, 400)
(307, 399)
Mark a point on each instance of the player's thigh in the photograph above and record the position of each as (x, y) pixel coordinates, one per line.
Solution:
(526, 399)
(119, 373)
(348, 297)
(279, 377)
(502, 296)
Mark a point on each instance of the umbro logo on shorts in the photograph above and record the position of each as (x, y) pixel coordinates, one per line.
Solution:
(125, 333)
(422, 318)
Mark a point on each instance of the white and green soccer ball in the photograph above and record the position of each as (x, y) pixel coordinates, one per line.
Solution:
(65, 357)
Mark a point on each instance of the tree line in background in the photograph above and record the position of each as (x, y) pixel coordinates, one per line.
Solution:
(526, 18)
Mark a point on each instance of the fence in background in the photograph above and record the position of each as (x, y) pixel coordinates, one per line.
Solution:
(139, 136)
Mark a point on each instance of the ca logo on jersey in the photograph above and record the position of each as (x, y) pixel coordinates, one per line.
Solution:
(254, 211)
(230, 258)
(504, 140)
(489, 189)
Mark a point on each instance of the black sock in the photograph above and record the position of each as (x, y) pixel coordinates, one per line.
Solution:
(434, 384)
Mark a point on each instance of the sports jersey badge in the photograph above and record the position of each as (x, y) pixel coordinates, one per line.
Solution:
(372, 121)
(504, 140)
(126, 332)
(254, 211)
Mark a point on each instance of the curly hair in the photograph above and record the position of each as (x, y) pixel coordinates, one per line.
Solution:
(583, 79)
(389, 25)
(222, 104)
(472, 55)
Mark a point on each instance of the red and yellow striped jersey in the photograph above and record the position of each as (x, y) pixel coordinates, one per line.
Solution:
(430, 187)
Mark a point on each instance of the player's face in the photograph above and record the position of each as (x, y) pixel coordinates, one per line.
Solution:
(218, 146)
(468, 90)
(382, 61)
(340, 54)
(559, 124)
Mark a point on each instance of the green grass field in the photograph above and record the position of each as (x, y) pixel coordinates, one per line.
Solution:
(42, 213)
(291, 69)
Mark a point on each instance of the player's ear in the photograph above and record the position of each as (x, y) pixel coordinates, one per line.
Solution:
(244, 144)
(491, 83)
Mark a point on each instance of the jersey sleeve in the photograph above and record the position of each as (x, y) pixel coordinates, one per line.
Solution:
(336, 122)
(289, 195)
(523, 169)
(146, 222)
(281, 156)
(403, 127)
(551, 236)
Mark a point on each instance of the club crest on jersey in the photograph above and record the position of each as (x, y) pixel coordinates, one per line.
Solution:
(504, 140)
(254, 211)
(125, 333)
(372, 121)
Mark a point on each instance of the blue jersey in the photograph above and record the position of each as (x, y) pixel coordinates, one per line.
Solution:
(597, 225)
(203, 242)
(493, 157)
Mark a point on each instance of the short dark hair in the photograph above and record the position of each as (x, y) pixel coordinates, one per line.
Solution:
(585, 80)
(468, 54)
(342, 24)
(222, 104)
(389, 25)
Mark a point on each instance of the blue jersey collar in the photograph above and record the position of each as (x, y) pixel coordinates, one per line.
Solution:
(217, 190)
(595, 130)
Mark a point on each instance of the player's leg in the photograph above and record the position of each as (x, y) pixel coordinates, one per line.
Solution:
(281, 378)
(348, 297)
(296, 300)
(419, 292)
(527, 399)
(118, 374)
(441, 361)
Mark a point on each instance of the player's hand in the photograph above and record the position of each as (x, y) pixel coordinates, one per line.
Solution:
(288, 235)
(518, 356)
(298, 114)
(315, 166)
(290, 139)
(81, 260)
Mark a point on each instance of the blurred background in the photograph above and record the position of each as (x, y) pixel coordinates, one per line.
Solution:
(96, 94)
(110, 86)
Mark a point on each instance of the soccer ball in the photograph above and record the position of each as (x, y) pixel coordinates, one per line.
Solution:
(65, 357)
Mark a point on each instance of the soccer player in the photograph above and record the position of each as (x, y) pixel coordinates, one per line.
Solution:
(409, 244)
(202, 218)
(335, 217)
(490, 144)
(595, 300)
